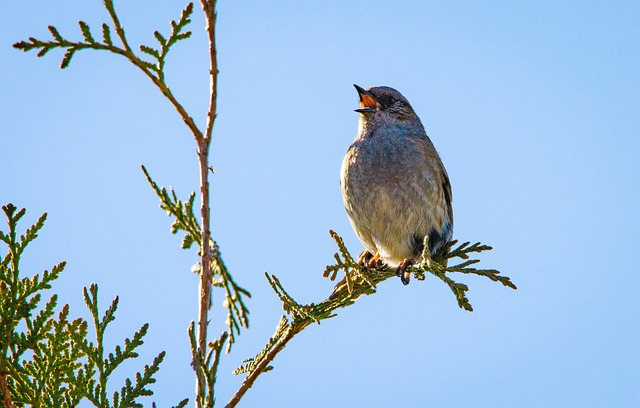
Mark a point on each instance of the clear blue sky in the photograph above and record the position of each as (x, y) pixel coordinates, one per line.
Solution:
(533, 106)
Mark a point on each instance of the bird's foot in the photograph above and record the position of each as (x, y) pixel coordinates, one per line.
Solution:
(373, 262)
(367, 259)
(364, 257)
(401, 270)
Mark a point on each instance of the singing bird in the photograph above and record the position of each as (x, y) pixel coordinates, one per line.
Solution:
(394, 186)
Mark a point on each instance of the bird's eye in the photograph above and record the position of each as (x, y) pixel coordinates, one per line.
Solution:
(392, 100)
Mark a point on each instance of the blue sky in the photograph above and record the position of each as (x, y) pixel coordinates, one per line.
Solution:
(533, 106)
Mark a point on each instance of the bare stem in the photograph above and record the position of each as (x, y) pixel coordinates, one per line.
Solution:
(209, 8)
(205, 252)
(204, 141)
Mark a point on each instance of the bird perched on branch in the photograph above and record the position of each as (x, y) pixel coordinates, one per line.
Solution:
(394, 186)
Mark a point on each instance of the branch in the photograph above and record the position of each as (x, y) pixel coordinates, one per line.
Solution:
(209, 8)
(154, 72)
(358, 280)
(208, 252)
(237, 311)
(260, 364)
(211, 263)
(104, 367)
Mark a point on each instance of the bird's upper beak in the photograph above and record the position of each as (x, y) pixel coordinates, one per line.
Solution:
(368, 102)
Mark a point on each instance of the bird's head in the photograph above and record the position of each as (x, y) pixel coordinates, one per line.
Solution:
(384, 104)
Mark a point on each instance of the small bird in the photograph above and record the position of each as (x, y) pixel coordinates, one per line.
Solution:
(394, 186)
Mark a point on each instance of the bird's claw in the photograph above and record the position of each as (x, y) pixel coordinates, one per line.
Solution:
(401, 270)
(373, 262)
(364, 257)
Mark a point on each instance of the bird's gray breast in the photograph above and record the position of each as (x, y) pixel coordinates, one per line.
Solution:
(387, 184)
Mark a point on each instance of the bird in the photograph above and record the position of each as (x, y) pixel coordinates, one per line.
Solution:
(395, 188)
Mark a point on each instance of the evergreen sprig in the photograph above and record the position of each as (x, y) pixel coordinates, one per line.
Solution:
(237, 311)
(47, 360)
(182, 211)
(214, 269)
(359, 280)
(186, 221)
(106, 44)
(40, 359)
(462, 251)
(251, 363)
(104, 367)
(206, 369)
(177, 34)
(50, 376)
(428, 264)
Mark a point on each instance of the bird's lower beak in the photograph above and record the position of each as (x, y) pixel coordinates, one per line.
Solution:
(368, 102)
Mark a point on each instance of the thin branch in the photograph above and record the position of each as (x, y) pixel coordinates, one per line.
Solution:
(264, 364)
(108, 4)
(210, 256)
(209, 8)
(358, 280)
(126, 51)
(188, 120)
(208, 251)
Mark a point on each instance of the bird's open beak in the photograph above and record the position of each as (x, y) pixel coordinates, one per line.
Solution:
(367, 101)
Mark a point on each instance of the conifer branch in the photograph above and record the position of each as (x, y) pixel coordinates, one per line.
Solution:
(213, 360)
(206, 369)
(51, 362)
(104, 367)
(237, 311)
(155, 72)
(211, 264)
(285, 331)
(186, 221)
(358, 280)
